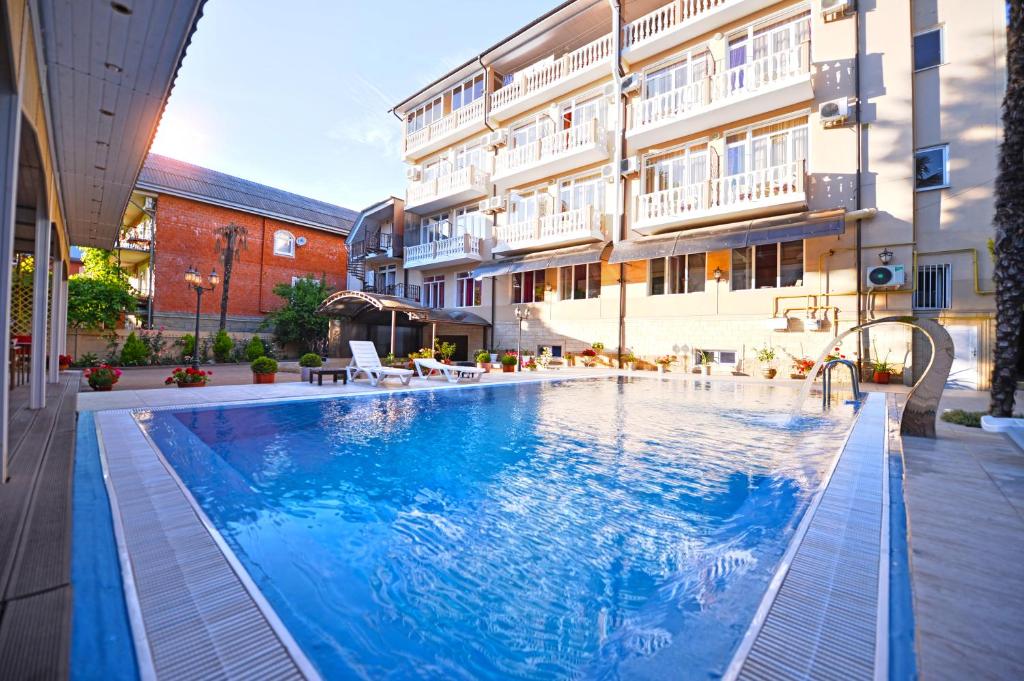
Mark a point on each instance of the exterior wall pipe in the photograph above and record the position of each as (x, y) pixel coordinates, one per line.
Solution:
(618, 219)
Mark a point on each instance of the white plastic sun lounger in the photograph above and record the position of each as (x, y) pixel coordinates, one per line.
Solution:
(453, 374)
(366, 361)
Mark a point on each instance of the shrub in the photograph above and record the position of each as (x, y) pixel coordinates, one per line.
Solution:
(509, 359)
(264, 365)
(255, 349)
(189, 375)
(971, 419)
(88, 359)
(102, 376)
(482, 356)
(188, 345)
(222, 345)
(134, 352)
(311, 359)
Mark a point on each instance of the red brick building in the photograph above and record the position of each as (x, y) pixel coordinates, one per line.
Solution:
(172, 223)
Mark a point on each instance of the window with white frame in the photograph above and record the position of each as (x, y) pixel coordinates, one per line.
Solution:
(531, 130)
(677, 274)
(689, 68)
(467, 92)
(580, 111)
(723, 357)
(385, 278)
(934, 287)
(468, 291)
(433, 291)
(928, 49)
(684, 167)
(762, 147)
(425, 114)
(469, 220)
(771, 40)
(528, 287)
(471, 154)
(284, 243)
(296, 280)
(435, 228)
(580, 193)
(931, 168)
(580, 282)
(526, 204)
(768, 266)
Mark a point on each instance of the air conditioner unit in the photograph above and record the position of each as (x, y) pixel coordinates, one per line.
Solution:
(777, 323)
(413, 174)
(630, 166)
(834, 112)
(631, 84)
(300, 241)
(495, 204)
(834, 9)
(608, 173)
(609, 91)
(498, 138)
(812, 324)
(149, 204)
(884, 276)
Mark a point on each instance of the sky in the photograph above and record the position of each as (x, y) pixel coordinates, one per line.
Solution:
(296, 94)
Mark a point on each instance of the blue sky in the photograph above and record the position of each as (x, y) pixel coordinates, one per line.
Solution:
(296, 95)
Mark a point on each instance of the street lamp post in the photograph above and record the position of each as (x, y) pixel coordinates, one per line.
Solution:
(522, 314)
(194, 280)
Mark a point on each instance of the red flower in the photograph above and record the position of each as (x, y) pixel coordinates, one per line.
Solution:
(169, 380)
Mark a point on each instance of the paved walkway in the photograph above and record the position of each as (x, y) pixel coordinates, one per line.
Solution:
(965, 502)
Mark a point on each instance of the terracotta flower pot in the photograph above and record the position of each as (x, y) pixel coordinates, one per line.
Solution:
(64, 367)
(798, 377)
(182, 384)
(769, 373)
(881, 377)
(102, 388)
(263, 378)
(508, 368)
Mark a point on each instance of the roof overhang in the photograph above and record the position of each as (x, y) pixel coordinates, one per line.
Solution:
(562, 257)
(736, 235)
(349, 305)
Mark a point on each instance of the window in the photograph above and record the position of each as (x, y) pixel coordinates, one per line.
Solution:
(284, 243)
(763, 147)
(724, 357)
(526, 205)
(677, 274)
(296, 280)
(384, 279)
(928, 49)
(526, 133)
(682, 168)
(528, 287)
(433, 291)
(691, 68)
(931, 168)
(467, 92)
(580, 193)
(468, 291)
(770, 45)
(580, 282)
(578, 112)
(424, 115)
(435, 228)
(468, 220)
(768, 266)
(934, 287)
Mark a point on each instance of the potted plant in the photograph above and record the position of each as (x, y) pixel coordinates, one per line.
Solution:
(882, 371)
(64, 362)
(102, 378)
(570, 359)
(494, 356)
(664, 362)
(629, 361)
(599, 346)
(766, 356)
(189, 378)
(705, 361)
(531, 365)
(264, 369)
(544, 358)
(445, 350)
(801, 366)
(483, 360)
(508, 362)
(311, 360)
(589, 357)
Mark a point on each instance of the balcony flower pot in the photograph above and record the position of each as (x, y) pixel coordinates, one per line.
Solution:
(798, 377)
(706, 368)
(264, 369)
(769, 373)
(881, 377)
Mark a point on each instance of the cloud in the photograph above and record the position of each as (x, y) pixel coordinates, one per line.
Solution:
(372, 131)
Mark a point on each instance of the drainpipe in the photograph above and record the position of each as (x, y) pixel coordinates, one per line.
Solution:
(857, 228)
(487, 92)
(618, 218)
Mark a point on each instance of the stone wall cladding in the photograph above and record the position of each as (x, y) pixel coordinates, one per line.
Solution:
(186, 235)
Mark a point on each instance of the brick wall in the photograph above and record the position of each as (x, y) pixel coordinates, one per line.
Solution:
(186, 235)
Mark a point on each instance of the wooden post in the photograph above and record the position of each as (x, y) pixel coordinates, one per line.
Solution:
(393, 332)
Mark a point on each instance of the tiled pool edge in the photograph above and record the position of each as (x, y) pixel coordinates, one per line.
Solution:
(131, 463)
(775, 646)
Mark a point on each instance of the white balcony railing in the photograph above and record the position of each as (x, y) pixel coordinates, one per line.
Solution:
(549, 148)
(463, 117)
(461, 248)
(741, 81)
(549, 75)
(664, 18)
(462, 184)
(574, 226)
(766, 187)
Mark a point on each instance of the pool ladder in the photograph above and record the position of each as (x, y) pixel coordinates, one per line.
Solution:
(826, 396)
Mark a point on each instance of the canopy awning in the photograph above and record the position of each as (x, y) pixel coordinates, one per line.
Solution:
(740, 235)
(351, 304)
(562, 257)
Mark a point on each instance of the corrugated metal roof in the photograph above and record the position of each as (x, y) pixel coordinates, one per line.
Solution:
(170, 176)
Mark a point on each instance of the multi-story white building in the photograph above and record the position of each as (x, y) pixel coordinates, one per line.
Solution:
(710, 175)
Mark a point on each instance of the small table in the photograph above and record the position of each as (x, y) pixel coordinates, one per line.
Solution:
(320, 373)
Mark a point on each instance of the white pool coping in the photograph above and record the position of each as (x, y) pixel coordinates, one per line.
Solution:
(141, 467)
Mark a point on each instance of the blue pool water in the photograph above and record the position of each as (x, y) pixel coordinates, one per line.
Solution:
(611, 528)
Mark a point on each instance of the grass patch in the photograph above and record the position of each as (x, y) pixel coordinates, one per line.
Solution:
(971, 419)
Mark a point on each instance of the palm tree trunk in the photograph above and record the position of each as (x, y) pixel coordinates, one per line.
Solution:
(229, 260)
(1009, 223)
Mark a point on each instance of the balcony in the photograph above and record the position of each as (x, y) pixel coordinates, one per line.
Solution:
(460, 123)
(760, 85)
(457, 250)
(407, 291)
(376, 246)
(676, 22)
(770, 191)
(580, 226)
(552, 155)
(543, 81)
(447, 190)
(138, 238)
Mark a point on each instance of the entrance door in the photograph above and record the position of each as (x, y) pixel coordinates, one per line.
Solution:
(963, 375)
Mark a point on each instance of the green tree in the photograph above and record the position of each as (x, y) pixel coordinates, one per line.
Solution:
(297, 321)
(1009, 224)
(98, 296)
(222, 345)
(232, 239)
(134, 352)
(254, 350)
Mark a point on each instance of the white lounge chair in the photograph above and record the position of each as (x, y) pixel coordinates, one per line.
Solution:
(452, 373)
(366, 361)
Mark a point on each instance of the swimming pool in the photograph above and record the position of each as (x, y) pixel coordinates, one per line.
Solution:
(587, 528)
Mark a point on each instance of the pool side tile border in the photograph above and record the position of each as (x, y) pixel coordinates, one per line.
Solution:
(136, 469)
(782, 640)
